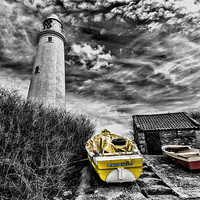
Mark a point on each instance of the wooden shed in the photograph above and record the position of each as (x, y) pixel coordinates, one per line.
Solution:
(153, 131)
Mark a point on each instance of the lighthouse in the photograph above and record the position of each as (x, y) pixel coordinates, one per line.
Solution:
(47, 84)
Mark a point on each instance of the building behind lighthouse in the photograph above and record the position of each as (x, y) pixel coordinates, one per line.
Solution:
(47, 84)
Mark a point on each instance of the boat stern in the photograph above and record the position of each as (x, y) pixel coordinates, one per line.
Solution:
(118, 169)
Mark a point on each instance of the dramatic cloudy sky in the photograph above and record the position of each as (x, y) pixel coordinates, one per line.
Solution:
(123, 57)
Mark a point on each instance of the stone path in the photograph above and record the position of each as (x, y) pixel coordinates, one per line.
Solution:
(185, 183)
(92, 188)
(153, 187)
(160, 180)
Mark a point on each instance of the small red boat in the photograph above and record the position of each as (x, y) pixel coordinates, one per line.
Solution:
(183, 155)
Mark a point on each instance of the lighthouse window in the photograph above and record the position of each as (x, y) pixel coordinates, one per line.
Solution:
(37, 69)
(49, 39)
(47, 24)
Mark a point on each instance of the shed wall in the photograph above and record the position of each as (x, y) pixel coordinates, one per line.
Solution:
(191, 138)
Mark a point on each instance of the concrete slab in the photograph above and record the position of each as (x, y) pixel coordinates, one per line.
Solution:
(183, 182)
(160, 179)
(91, 187)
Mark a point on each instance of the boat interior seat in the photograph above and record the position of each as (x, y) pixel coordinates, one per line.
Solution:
(189, 153)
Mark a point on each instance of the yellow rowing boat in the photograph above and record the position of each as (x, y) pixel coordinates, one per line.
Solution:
(114, 158)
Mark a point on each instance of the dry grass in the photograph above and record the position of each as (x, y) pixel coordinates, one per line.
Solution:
(32, 137)
(195, 115)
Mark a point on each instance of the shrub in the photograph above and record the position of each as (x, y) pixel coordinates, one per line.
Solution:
(33, 138)
(195, 115)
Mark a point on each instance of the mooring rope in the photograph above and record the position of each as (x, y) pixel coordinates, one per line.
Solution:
(61, 165)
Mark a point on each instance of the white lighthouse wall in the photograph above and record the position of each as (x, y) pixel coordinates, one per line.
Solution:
(48, 84)
(60, 75)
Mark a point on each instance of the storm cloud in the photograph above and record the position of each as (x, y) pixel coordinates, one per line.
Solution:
(112, 65)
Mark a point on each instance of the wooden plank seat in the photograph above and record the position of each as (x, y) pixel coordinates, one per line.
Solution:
(188, 154)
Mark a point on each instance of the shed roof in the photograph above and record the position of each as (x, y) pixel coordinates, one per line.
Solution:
(166, 121)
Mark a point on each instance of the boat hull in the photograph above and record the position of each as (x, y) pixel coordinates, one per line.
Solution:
(191, 165)
(115, 169)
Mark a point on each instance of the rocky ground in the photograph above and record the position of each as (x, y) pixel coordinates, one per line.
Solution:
(160, 179)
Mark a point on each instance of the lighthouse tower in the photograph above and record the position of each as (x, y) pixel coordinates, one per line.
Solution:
(48, 76)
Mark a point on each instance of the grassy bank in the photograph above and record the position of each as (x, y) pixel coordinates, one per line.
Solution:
(195, 115)
(33, 138)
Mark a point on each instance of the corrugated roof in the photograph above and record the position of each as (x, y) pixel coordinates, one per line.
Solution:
(167, 121)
